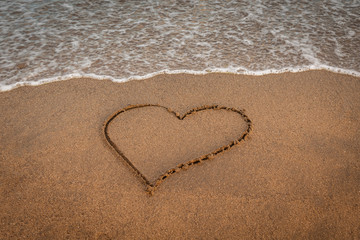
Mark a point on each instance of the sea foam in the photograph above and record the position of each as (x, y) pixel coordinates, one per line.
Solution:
(45, 41)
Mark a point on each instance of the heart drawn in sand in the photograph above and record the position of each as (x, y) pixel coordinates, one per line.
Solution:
(155, 144)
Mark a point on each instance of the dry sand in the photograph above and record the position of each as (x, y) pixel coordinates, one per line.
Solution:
(296, 176)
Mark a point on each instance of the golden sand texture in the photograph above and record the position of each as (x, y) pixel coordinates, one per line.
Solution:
(296, 176)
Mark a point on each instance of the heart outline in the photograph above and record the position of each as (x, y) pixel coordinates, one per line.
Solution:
(151, 187)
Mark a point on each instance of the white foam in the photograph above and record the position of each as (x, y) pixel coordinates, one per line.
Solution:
(166, 71)
(49, 41)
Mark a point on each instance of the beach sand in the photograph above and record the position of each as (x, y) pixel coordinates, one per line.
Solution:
(295, 176)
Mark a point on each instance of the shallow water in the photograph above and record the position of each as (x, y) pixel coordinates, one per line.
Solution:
(44, 41)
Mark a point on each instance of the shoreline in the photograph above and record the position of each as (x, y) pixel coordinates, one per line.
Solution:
(175, 72)
(295, 176)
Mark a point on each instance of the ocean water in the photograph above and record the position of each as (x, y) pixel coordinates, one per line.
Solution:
(49, 40)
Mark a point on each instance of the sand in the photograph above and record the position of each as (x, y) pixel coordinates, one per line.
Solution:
(296, 174)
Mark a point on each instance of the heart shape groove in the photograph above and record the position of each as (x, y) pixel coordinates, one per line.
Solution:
(152, 186)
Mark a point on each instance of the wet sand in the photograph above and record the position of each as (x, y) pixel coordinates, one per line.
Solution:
(296, 175)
